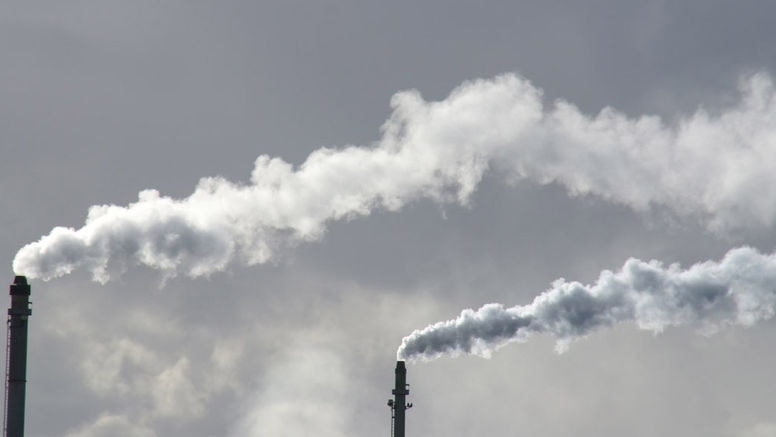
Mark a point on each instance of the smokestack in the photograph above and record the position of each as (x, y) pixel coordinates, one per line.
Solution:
(16, 365)
(398, 403)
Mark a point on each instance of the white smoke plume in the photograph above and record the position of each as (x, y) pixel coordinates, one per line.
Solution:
(714, 168)
(738, 290)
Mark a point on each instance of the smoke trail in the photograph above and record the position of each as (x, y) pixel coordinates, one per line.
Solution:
(716, 169)
(739, 290)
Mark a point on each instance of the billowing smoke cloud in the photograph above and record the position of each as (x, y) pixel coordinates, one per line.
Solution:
(738, 290)
(714, 168)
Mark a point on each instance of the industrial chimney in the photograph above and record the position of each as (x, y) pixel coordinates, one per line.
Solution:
(16, 357)
(398, 403)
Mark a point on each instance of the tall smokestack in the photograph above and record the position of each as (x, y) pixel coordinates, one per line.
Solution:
(398, 403)
(17, 357)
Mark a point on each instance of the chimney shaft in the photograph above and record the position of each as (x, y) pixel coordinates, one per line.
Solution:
(16, 381)
(399, 403)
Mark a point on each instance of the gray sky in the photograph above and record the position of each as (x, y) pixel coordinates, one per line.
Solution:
(101, 100)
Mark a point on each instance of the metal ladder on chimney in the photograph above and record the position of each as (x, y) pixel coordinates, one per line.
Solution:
(7, 369)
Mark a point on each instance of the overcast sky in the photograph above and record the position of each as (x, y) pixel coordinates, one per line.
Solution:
(100, 100)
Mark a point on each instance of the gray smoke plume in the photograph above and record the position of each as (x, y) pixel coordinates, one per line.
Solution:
(738, 290)
(714, 168)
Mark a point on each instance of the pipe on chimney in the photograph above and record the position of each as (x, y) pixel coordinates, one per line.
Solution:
(398, 404)
(17, 357)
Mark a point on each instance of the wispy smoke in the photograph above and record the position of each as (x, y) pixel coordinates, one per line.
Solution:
(715, 168)
(739, 290)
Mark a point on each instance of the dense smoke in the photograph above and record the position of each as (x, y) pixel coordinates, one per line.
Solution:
(714, 168)
(739, 290)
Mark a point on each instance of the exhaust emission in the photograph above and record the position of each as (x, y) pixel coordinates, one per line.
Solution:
(713, 168)
(735, 291)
